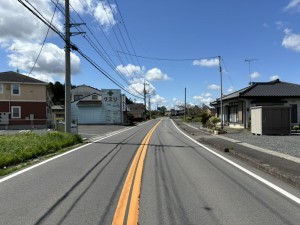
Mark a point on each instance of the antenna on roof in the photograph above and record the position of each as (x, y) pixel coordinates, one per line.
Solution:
(16, 49)
(249, 62)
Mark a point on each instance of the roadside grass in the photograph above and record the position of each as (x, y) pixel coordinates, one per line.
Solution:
(20, 150)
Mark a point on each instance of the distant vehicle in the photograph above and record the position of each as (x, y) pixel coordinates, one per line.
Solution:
(72, 124)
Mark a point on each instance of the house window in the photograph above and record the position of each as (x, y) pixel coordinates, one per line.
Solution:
(1, 88)
(15, 89)
(16, 112)
(294, 114)
(94, 97)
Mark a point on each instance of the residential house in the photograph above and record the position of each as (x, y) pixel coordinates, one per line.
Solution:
(236, 106)
(58, 113)
(25, 102)
(137, 110)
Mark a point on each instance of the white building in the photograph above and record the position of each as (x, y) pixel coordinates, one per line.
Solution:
(92, 106)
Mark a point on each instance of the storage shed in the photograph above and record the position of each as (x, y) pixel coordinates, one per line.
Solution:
(270, 120)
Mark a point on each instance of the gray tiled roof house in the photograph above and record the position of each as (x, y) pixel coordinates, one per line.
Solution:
(13, 77)
(236, 105)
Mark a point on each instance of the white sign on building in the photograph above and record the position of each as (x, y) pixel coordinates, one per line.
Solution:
(111, 102)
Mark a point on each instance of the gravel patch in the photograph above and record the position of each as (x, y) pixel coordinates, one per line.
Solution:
(287, 144)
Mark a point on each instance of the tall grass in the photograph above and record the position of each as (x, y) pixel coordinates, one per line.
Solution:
(22, 147)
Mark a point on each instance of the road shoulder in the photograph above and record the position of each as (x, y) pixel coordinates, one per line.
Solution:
(280, 167)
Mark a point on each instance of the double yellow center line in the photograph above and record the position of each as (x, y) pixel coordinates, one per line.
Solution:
(133, 182)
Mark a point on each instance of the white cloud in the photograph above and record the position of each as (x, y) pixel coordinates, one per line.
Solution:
(101, 11)
(294, 4)
(51, 60)
(207, 94)
(280, 25)
(104, 13)
(213, 87)
(230, 90)
(291, 40)
(158, 99)
(129, 70)
(18, 23)
(254, 75)
(265, 25)
(23, 37)
(177, 101)
(156, 74)
(203, 99)
(137, 85)
(206, 62)
(274, 77)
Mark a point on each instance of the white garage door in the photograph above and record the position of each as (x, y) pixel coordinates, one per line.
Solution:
(89, 115)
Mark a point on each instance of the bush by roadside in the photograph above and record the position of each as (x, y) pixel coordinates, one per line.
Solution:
(19, 148)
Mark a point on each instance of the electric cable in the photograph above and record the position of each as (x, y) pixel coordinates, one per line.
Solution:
(73, 46)
(32, 68)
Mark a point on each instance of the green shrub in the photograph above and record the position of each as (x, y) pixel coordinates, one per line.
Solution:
(197, 120)
(214, 120)
(188, 119)
(296, 127)
(204, 117)
(30, 145)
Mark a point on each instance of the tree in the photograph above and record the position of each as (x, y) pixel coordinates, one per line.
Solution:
(58, 90)
(162, 110)
(129, 101)
(204, 117)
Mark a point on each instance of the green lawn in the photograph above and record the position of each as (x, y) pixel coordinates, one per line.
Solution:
(20, 148)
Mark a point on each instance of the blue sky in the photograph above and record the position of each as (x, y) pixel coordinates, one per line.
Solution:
(198, 30)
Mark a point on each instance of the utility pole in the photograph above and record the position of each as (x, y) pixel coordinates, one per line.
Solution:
(68, 47)
(221, 99)
(249, 62)
(145, 96)
(149, 106)
(67, 69)
(184, 103)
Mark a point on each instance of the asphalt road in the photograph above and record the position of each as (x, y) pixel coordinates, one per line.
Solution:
(182, 183)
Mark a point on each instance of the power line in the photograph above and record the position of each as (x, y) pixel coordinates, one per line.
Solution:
(104, 72)
(168, 59)
(123, 22)
(228, 74)
(111, 46)
(107, 59)
(74, 47)
(42, 18)
(32, 68)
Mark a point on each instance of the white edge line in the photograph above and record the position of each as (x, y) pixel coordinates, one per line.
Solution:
(60, 155)
(266, 182)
